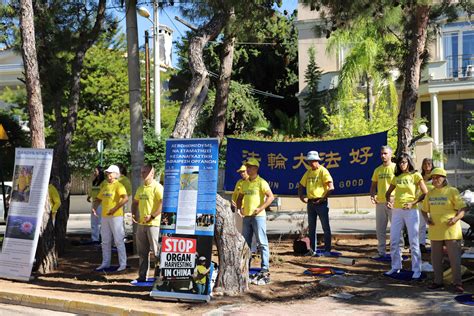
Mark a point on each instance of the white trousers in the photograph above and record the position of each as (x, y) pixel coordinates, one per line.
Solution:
(95, 224)
(112, 229)
(411, 219)
(423, 227)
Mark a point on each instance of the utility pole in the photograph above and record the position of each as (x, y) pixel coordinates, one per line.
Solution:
(147, 76)
(156, 62)
(136, 119)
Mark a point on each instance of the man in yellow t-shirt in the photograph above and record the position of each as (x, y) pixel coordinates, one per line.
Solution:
(381, 179)
(256, 196)
(54, 200)
(112, 197)
(319, 185)
(200, 276)
(242, 171)
(146, 211)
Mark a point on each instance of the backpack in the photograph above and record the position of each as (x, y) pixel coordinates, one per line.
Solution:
(301, 246)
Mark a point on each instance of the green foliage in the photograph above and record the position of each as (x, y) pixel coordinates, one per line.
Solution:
(154, 147)
(316, 123)
(16, 138)
(470, 129)
(243, 111)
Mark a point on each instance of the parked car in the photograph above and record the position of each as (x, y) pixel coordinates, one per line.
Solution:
(8, 190)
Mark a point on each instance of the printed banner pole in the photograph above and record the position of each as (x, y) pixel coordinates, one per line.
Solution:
(28, 198)
(187, 221)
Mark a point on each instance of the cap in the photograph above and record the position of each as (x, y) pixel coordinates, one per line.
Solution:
(242, 168)
(202, 258)
(438, 172)
(252, 162)
(113, 168)
(312, 155)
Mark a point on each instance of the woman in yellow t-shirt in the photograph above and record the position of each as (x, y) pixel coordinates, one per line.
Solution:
(426, 168)
(443, 208)
(404, 213)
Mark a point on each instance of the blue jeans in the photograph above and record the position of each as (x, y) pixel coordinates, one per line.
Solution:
(257, 225)
(200, 289)
(321, 210)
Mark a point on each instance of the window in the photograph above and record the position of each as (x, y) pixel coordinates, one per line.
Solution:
(458, 49)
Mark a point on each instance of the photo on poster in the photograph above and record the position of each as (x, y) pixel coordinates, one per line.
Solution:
(21, 227)
(168, 220)
(22, 177)
(185, 264)
(189, 178)
(205, 222)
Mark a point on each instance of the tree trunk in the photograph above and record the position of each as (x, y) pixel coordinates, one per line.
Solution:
(417, 42)
(223, 86)
(61, 168)
(197, 91)
(30, 62)
(234, 254)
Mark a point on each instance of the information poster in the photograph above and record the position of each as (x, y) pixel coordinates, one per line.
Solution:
(28, 198)
(187, 221)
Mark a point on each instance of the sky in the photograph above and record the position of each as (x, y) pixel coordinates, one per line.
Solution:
(167, 17)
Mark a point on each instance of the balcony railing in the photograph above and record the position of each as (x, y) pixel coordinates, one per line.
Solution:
(460, 66)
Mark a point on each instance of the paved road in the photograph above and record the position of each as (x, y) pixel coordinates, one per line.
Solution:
(19, 310)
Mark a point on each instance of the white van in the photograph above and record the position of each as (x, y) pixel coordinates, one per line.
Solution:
(8, 190)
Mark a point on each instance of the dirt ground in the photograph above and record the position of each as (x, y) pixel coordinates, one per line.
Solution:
(76, 279)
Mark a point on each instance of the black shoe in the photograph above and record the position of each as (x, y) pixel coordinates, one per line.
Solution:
(423, 248)
(435, 286)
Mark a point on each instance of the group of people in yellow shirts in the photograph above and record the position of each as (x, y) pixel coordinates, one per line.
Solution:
(397, 188)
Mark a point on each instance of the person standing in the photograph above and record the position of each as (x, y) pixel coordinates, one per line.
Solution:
(404, 212)
(200, 276)
(97, 183)
(242, 171)
(54, 200)
(256, 196)
(319, 185)
(443, 208)
(146, 211)
(112, 196)
(381, 179)
(426, 168)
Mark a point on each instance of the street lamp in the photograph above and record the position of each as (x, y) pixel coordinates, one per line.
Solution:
(143, 11)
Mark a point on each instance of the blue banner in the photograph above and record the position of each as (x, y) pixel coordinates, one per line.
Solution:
(187, 220)
(350, 161)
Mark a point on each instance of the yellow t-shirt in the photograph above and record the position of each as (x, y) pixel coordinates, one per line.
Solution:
(126, 183)
(383, 175)
(235, 194)
(442, 204)
(315, 182)
(405, 190)
(110, 195)
(149, 197)
(54, 199)
(201, 270)
(254, 195)
(94, 190)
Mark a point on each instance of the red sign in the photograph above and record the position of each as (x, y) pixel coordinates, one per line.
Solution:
(178, 245)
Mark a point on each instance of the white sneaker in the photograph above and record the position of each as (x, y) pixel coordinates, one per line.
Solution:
(416, 275)
(121, 268)
(392, 271)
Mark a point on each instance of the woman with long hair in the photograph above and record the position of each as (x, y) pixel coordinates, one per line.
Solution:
(404, 212)
(443, 208)
(426, 168)
(97, 184)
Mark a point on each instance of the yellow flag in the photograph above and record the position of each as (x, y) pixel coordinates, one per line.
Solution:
(3, 133)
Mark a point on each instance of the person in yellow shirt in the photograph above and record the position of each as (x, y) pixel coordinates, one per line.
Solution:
(24, 182)
(112, 197)
(254, 197)
(54, 200)
(200, 276)
(146, 211)
(97, 184)
(242, 171)
(443, 208)
(426, 168)
(404, 213)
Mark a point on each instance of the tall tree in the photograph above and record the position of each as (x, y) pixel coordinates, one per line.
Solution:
(412, 29)
(46, 253)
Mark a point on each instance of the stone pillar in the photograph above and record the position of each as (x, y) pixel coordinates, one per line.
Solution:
(435, 118)
(423, 149)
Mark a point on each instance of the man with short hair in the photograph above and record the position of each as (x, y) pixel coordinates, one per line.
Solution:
(381, 179)
(319, 185)
(146, 212)
(256, 196)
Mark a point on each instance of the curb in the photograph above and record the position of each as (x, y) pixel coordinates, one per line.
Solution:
(69, 306)
(288, 216)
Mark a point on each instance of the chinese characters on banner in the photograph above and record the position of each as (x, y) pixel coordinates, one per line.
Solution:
(350, 161)
(27, 202)
(187, 221)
